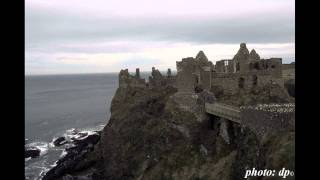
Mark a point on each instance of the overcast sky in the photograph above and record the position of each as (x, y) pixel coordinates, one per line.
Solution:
(94, 36)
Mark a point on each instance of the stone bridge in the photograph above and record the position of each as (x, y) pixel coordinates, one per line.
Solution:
(225, 111)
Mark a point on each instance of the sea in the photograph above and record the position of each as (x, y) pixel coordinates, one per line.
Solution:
(55, 105)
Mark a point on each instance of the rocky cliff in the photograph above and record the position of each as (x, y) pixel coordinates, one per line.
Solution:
(157, 133)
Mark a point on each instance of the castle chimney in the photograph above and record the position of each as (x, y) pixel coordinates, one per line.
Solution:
(137, 73)
(169, 72)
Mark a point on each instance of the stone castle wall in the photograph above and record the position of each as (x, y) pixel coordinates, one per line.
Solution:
(268, 118)
(231, 82)
(125, 79)
(245, 70)
(186, 78)
(288, 71)
(199, 72)
(155, 80)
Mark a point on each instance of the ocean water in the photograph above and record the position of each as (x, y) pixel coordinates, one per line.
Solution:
(56, 104)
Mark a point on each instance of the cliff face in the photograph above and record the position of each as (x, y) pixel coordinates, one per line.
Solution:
(153, 134)
(156, 133)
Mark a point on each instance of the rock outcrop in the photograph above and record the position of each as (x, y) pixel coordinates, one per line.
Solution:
(60, 141)
(156, 133)
(77, 158)
(31, 152)
(160, 130)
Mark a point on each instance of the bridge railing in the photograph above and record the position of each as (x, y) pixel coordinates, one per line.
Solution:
(223, 110)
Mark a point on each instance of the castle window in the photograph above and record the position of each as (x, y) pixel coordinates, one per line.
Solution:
(241, 83)
(238, 67)
(254, 80)
(256, 66)
(273, 66)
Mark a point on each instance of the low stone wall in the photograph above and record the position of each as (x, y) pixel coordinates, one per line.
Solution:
(268, 118)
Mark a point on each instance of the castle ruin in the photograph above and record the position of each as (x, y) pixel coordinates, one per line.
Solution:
(245, 71)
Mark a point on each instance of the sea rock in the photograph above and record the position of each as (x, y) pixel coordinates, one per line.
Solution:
(75, 159)
(60, 141)
(91, 139)
(79, 135)
(32, 152)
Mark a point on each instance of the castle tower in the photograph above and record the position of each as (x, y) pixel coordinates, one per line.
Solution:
(169, 72)
(137, 73)
(241, 59)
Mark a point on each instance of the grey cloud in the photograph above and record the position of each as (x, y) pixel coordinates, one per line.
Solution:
(45, 28)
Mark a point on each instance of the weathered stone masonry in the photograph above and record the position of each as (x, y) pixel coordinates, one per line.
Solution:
(245, 71)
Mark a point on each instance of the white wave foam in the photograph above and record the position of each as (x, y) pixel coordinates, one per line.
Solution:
(43, 146)
(80, 134)
(64, 152)
(43, 171)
